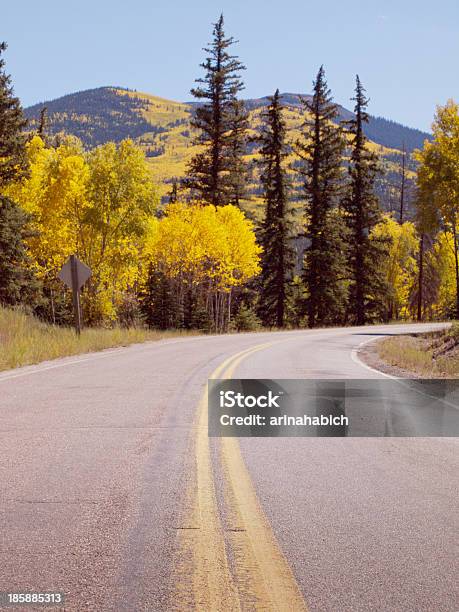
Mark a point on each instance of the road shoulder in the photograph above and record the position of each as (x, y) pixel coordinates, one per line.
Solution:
(369, 355)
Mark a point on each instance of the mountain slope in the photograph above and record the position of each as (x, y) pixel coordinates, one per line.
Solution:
(99, 115)
(381, 131)
(111, 113)
(162, 128)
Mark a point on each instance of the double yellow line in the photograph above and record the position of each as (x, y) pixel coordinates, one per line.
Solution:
(239, 567)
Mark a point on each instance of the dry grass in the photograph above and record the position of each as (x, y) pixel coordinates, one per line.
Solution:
(25, 340)
(406, 352)
(433, 354)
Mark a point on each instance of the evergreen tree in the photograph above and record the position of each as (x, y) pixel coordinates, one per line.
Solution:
(43, 123)
(238, 172)
(173, 194)
(156, 301)
(220, 122)
(17, 281)
(402, 185)
(362, 213)
(320, 151)
(13, 161)
(277, 258)
(245, 320)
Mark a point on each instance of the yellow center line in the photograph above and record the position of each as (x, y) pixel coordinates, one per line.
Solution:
(259, 577)
(273, 583)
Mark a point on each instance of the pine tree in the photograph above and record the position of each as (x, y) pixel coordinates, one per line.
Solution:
(13, 160)
(320, 151)
(220, 122)
(173, 194)
(277, 258)
(362, 213)
(43, 123)
(238, 127)
(402, 185)
(156, 301)
(17, 281)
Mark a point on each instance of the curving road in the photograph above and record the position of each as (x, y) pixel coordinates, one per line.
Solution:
(111, 491)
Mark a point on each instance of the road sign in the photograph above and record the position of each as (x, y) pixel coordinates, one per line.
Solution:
(75, 273)
(82, 272)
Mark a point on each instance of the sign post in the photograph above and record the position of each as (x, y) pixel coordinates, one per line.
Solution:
(74, 273)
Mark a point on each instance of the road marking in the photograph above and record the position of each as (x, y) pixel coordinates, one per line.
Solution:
(259, 574)
(354, 353)
(212, 584)
(62, 362)
(274, 584)
(401, 381)
(355, 358)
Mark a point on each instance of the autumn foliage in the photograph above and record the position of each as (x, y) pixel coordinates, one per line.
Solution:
(327, 253)
(101, 205)
(203, 252)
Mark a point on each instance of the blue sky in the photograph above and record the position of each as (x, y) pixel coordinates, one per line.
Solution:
(405, 51)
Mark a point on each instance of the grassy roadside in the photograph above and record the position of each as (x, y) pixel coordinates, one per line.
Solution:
(434, 354)
(24, 340)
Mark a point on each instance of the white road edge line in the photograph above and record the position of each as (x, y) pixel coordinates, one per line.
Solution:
(355, 358)
(399, 379)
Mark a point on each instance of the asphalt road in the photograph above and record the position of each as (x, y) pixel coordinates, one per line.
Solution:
(111, 492)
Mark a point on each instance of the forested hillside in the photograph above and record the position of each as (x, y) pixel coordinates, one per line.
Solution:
(162, 128)
(102, 114)
(224, 213)
(381, 131)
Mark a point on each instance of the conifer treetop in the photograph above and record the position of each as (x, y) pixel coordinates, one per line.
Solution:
(13, 163)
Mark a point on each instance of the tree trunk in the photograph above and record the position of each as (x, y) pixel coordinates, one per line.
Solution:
(457, 269)
(229, 309)
(421, 276)
(53, 311)
(402, 187)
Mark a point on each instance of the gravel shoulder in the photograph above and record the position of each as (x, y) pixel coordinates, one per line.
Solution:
(369, 355)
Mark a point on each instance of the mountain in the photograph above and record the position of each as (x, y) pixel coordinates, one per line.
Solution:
(99, 115)
(382, 131)
(162, 128)
(113, 113)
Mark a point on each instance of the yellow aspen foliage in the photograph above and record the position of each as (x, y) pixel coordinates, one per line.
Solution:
(202, 253)
(122, 199)
(442, 260)
(438, 181)
(96, 204)
(400, 264)
(55, 193)
(204, 244)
